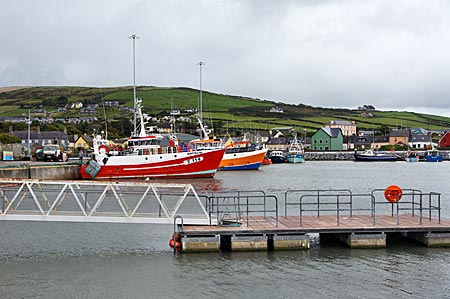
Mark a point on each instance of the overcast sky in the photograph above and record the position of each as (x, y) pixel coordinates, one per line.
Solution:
(393, 54)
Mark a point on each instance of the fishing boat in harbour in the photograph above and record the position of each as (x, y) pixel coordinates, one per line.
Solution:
(412, 157)
(242, 156)
(296, 152)
(375, 156)
(277, 157)
(146, 158)
(433, 156)
(239, 155)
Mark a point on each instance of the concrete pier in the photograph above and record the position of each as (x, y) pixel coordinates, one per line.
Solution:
(203, 244)
(40, 171)
(291, 242)
(373, 241)
(431, 239)
(249, 243)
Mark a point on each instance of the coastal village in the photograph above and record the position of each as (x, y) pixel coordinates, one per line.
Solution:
(334, 136)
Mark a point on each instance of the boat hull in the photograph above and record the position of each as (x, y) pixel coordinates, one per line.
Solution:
(434, 159)
(375, 158)
(295, 159)
(201, 164)
(278, 159)
(251, 160)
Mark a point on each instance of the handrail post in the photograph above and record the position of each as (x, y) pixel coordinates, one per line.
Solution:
(3, 201)
(276, 211)
(175, 231)
(421, 209)
(337, 211)
(439, 207)
(285, 203)
(373, 208)
(318, 203)
(247, 211)
(398, 219)
(301, 212)
(429, 206)
(351, 204)
(264, 206)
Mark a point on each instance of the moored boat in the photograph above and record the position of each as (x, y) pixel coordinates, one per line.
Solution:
(238, 155)
(412, 157)
(433, 156)
(375, 156)
(277, 157)
(146, 158)
(242, 156)
(295, 153)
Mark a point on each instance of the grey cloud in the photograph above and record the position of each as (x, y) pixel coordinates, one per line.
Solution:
(393, 54)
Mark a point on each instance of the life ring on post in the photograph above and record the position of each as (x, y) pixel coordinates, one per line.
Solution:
(393, 193)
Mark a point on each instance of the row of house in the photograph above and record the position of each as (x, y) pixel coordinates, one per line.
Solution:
(337, 135)
(340, 135)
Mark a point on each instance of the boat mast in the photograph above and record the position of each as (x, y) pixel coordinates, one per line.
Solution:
(201, 64)
(134, 37)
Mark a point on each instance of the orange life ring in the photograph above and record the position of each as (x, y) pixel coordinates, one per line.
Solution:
(175, 244)
(393, 193)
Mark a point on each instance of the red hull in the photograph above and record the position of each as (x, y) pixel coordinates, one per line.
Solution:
(187, 165)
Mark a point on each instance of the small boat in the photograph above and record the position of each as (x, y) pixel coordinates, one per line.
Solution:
(433, 156)
(266, 161)
(277, 157)
(295, 153)
(375, 156)
(412, 157)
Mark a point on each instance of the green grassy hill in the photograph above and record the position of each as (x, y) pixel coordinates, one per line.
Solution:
(225, 112)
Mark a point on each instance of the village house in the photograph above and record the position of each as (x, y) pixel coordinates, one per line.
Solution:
(111, 104)
(276, 110)
(399, 137)
(348, 128)
(40, 138)
(280, 131)
(420, 141)
(445, 141)
(327, 139)
(277, 144)
(83, 142)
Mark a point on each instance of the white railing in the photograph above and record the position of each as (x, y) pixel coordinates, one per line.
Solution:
(87, 201)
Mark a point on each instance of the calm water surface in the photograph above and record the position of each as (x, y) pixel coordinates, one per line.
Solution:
(81, 260)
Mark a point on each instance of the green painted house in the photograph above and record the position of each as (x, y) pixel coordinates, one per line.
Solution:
(327, 139)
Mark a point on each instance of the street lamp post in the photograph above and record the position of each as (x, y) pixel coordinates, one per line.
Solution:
(29, 142)
(134, 37)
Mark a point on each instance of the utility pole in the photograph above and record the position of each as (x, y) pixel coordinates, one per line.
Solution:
(134, 37)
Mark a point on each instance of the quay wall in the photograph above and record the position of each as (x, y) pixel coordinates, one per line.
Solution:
(40, 171)
(349, 155)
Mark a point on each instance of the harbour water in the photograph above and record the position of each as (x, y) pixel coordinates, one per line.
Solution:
(82, 260)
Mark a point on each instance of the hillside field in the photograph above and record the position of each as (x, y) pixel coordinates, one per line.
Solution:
(224, 111)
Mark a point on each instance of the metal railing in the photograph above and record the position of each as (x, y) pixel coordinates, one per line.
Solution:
(345, 203)
(82, 201)
(232, 209)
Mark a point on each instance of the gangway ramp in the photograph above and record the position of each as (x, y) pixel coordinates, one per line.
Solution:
(112, 202)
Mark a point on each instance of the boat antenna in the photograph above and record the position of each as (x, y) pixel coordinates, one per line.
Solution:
(134, 37)
(201, 64)
(104, 114)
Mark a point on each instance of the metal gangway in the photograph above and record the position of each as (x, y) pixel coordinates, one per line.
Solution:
(113, 202)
